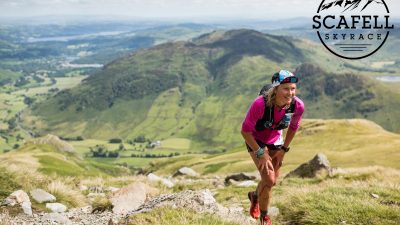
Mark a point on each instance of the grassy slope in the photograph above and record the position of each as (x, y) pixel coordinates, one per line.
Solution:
(42, 166)
(171, 216)
(348, 95)
(7, 76)
(62, 83)
(343, 199)
(47, 160)
(343, 141)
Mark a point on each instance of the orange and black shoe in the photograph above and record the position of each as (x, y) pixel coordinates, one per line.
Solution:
(265, 220)
(254, 207)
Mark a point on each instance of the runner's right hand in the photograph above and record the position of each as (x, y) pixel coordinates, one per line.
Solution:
(265, 163)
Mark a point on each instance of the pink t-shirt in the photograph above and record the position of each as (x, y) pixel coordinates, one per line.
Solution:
(268, 136)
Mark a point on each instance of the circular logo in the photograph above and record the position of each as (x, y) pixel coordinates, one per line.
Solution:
(352, 29)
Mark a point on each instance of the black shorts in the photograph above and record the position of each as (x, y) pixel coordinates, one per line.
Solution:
(262, 145)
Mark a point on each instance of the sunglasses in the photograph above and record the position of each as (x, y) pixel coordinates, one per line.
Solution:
(289, 80)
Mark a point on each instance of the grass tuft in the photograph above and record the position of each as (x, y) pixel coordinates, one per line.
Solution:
(170, 216)
(7, 184)
(66, 193)
(101, 204)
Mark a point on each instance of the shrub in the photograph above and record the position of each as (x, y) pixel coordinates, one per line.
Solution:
(99, 151)
(79, 138)
(101, 204)
(115, 140)
(114, 154)
(140, 139)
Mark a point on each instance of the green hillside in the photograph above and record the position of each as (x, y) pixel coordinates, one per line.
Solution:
(47, 160)
(7, 77)
(347, 95)
(342, 141)
(45, 166)
(201, 90)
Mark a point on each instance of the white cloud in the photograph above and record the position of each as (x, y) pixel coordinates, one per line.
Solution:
(168, 8)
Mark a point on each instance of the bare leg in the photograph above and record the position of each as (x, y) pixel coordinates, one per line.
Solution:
(267, 181)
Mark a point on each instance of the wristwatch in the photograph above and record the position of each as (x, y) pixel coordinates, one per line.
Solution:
(259, 152)
(286, 149)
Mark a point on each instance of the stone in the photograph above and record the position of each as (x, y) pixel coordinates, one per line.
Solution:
(83, 187)
(40, 196)
(374, 195)
(8, 202)
(239, 177)
(113, 189)
(56, 207)
(273, 211)
(56, 217)
(202, 201)
(153, 177)
(318, 165)
(166, 182)
(247, 183)
(21, 198)
(27, 208)
(186, 171)
(129, 198)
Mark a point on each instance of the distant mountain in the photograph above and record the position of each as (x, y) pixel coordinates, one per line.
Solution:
(202, 89)
(349, 4)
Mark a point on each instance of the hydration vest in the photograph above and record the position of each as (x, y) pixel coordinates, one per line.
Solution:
(267, 121)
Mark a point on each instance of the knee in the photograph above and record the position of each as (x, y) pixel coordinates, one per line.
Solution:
(268, 179)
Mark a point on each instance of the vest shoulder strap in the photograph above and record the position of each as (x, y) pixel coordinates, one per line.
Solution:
(268, 111)
(291, 107)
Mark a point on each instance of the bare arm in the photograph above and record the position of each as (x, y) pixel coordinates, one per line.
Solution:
(264, 159)
(248, 137)
(289, 137)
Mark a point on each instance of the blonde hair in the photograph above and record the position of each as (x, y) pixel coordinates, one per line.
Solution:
(270, 96)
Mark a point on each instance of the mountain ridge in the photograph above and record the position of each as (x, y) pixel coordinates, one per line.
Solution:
(201, 90)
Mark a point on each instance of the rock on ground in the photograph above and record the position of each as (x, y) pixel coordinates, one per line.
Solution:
(19, 197)
(129, 198)
(77, 216)
(318, 165)
(40, 196)
(202, 201)
(239, 177)
(56, 207)
(186, 171)
(247, 183)
(166, 182)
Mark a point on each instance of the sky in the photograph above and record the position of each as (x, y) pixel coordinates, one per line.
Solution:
(257, 9)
